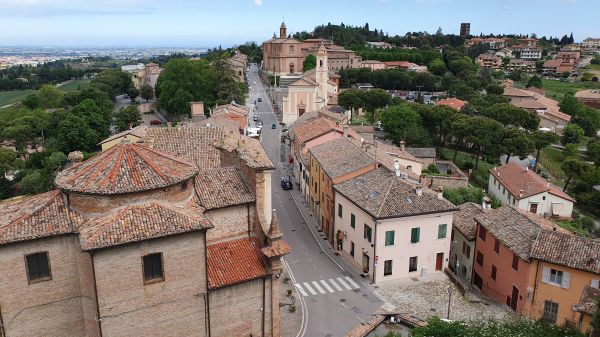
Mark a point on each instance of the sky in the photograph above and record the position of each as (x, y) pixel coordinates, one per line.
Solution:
(208, 23)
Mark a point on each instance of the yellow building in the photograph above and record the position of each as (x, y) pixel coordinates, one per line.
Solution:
(132, 135)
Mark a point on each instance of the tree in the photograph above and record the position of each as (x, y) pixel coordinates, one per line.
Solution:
(573, 168)
(49, 97)
(572, 134)
(484, 135)
(146, 92)
(460, 128)
(32, 183)
(437, 67)
(516, 142)
(310, 62)
(596, 320)
(438, 120)
(74, 133)
(94, 117)
(113, 82)
(397, 120)
(516, 75)
(540, 140)
(351, 99)
(128, 117)
(534, 81)
(570, 105)
(375, 99)
(133, 93)
(7, 160)
(32, 101)
(593, 152)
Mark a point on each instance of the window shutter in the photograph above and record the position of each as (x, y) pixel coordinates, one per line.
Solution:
(596, 284)
(566, 280)
(546, 275)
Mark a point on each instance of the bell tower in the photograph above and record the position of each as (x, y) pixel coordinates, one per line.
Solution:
(322, 73)
(282, 31)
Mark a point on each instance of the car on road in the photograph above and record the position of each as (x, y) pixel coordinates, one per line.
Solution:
(259, 124)
(259, 99)
(255, 118)
(273, 126)
(286, 183)
(155, 122)
(125, 96)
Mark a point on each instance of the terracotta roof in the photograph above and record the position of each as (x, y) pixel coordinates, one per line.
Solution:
(362, 128)
(422, 152)
(276, 246)
(515, 92)
(195, 144)
(588, 94)
(125, 168)
(528, 104)
(388, 154)
(222, 187)
(568, 250)
(313, 128)
(516, 179)
(587, 302)
(248, 149)
(232, 111)
(464, 219)
(233, 262)
(383, 195)
(226, 123)
(139, 131)
(141, 222)
(454, 103)
(34, 217)
(340, 156)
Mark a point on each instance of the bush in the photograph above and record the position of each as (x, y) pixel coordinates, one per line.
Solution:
(464, 194)
(432, 168)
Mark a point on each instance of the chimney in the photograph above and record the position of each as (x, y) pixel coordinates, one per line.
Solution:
(419, 190)
(345, 131)
(520, 194)
(197, 111)
(486, 203)
(402, 143)
(527, 169)
(440, 193)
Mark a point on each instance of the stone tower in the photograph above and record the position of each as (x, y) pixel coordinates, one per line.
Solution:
(282, 31)
(322, 73)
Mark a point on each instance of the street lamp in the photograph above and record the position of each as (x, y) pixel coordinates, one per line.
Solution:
(450, 289)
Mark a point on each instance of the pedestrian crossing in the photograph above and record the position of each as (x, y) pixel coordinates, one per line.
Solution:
(322, 287)
(263, 113)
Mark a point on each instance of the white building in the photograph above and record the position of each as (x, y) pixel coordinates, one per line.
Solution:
(591, 43)
(530, 53)
(390, 229)
(523, 189)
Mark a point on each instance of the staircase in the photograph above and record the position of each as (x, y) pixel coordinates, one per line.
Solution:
(284, 81)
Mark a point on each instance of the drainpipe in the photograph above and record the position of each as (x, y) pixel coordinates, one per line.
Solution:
(206, 293)
(263, 306)
(375, 252)
(99, 320)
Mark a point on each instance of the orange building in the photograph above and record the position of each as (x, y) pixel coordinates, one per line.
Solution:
(535, 267)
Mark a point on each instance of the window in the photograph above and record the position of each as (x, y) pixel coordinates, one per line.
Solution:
(466, 250)
(352, 220)
(556, 277)
(387, 267)
(533, 208)
(479, 258)
(389, 238)
(596, 283)
(153, 268)
(497, 246)
(367, 233)
(38, 267)
(515, 262)
(340, 210)
(550, 311)
(482, 233)
(412, 264)
(442, 231)
(415, 233)
(351, 248)
(494, 271)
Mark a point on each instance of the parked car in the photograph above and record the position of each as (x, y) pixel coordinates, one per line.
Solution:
(273, 126)
(155, 122)
(286, 183)
(255, 118)
(259, 99)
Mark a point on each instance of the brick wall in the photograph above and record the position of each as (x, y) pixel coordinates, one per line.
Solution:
(229, 222)
(62, 306)
(173, 307)
(236, 310)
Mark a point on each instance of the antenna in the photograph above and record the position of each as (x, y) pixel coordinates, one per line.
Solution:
(396, 165)
(398, 173)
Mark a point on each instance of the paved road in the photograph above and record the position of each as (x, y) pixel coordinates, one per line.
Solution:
(332, 300)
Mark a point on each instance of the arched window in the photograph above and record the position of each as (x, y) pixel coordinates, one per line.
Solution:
(320, 63)
(291, 49)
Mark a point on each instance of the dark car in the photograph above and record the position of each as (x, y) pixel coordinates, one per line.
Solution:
(286, 184)
(259, 99)
(155, 122)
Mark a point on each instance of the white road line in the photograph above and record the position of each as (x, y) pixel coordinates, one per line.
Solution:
(318, 287)
(307, 286)
(327, 286)
(335, 285)
(351, 281)
(343, 283)
(300, 289)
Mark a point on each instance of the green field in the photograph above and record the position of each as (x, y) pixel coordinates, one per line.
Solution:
(8, 97)
(557, 89)
(75, 85)
(593, 66)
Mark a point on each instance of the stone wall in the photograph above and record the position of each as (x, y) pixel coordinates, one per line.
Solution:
(65, 305)
(173, 307)
(237, 310)
(455, 179)
(229, 222)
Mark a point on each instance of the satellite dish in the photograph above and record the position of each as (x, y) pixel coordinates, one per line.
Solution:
(396, 165)
(362, 140)
(397, 173)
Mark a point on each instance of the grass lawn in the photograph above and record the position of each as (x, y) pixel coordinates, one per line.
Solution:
(75, 85)
(557, 89)
(479, 176)
(593, 66)
(8, 97)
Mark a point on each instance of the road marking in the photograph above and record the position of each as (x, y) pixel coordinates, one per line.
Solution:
(300, 289)
(307, 286)
(351, 281)
(335, 285)
(327, 286)
(343, 283)
(318, 287)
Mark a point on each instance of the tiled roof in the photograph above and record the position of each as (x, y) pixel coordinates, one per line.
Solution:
(362, 128)
(222, 187)
(383, 195)
(529, 104)
(340, 157)
(422, 152)
(568, 250)
(313, 129)
(588, 300)
(34, 217)
(516, 179)
(454, 103)
(233, 262)
(125, 168)
(588, 94)
(141, 222)
(248, 149)
(515, 92)
(464, 219)
(139, 131)
(195, 144)
(224, 122)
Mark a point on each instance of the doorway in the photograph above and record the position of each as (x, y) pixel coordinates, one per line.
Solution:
(533, 208)
(478, 281)
(514, 298)
(365, 263)
(291, 68)
(439, 261)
